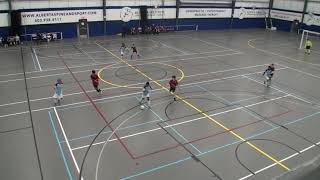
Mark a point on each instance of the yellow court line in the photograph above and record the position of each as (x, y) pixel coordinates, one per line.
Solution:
(201, 112)
(134, 87)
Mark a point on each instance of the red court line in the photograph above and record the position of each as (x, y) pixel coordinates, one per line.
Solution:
(96, 108)
(206, 137)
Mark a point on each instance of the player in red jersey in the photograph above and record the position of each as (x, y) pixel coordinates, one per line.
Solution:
(134, 51)
(95, 81)
(173, 85)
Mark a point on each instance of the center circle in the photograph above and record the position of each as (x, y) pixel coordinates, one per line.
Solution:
(140, 73)
(129, 74)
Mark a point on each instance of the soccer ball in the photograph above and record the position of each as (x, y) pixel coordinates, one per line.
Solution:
(142, 107)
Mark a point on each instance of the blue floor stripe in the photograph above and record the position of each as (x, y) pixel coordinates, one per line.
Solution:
(53, 127)
(215, 149)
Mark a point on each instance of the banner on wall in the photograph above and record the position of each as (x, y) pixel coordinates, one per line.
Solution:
(4, 20)
(285, 15)
(127, 14)
(243, 13)
(311, 19)
(204, 13)
(56, 17)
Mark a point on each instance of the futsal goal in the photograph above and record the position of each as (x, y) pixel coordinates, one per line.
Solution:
(306, 34)
(269, 24)
(191, 27)
(51, 36)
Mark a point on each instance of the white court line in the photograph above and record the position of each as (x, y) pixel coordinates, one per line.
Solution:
(36, 57)
(210, 43)
(282, 160)
(106, 142)
(183, 122)
(274, 87)
(97, 64)
(46, 57)
(84, 52)
(309, 74)
(170, 47)
(112, 67)
(200, 74)
(124, 95)
(34, 62)
(228, 102)
(66, 140)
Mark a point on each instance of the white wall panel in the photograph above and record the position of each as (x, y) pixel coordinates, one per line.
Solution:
(34, 4)
(58, 4)
(314, 7)
(4, 19)
(255, 3)
(293, 5)
(140, 2)
(4, 5)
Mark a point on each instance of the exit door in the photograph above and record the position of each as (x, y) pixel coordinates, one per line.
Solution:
(83, 29)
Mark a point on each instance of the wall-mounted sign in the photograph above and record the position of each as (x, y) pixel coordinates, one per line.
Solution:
(4, 20)
(204, 13)
(285, 15)
(311, 19)
(250, 13)
(126, 14)
(55, 17)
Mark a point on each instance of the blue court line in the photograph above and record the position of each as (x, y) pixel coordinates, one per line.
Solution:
(53, 127)
(212, 150)
(230, 103)
(141, 124)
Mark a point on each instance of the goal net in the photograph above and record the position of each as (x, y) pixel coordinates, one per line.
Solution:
(192, 27)
(312, 35)
(52, 36)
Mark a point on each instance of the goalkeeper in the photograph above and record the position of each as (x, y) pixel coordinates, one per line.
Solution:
(308, 46)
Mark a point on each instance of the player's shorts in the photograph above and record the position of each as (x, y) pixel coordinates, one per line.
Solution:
(267, 77)
(56, 96)
(135, 52)
(122, 53)
(172, 89)
(145, 95)
(308, 47)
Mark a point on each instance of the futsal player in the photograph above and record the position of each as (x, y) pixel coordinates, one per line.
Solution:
(308, 46)
(122, 49)
(95, 81)
(268, 74)
(58, 96)
(173, 85)
(134, 51)
(146, 93)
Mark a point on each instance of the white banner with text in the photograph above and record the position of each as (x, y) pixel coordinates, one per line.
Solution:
(311, 19)
(56, 17)
(204, 13)
(127, 14)
(243, 13)
(285, 15)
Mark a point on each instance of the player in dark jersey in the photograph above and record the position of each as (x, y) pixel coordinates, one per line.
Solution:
(173, 85)
(268, 74)
(95, 81)
(134, 51)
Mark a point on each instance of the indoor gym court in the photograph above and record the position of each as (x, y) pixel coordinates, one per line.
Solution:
(226, 124)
